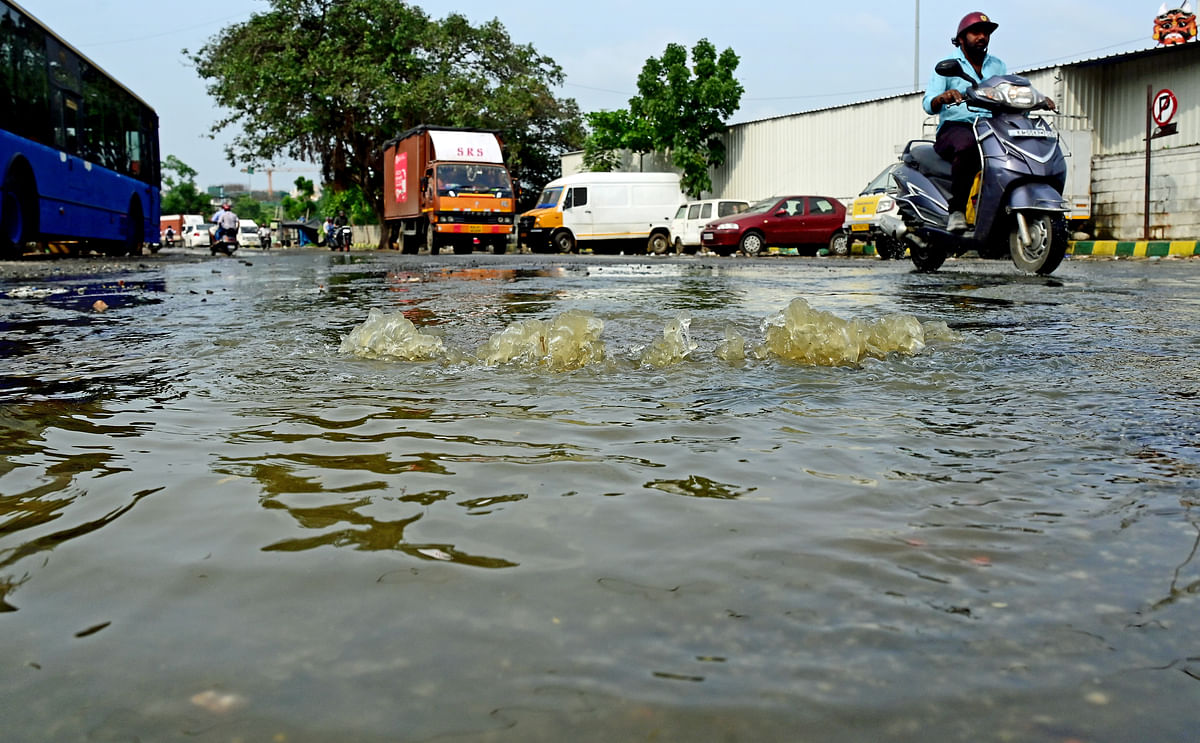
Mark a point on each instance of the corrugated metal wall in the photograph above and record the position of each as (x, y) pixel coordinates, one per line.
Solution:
(836, 151)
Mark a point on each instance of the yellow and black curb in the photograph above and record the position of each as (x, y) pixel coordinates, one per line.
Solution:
(1134, 249)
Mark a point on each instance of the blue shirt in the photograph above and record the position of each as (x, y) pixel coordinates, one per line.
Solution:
(938, 85)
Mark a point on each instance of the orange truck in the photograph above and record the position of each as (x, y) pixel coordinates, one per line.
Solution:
(446, 187)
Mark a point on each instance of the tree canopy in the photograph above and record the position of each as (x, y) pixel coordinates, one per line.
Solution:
(180, 193)
(679, 110)
(329, 81)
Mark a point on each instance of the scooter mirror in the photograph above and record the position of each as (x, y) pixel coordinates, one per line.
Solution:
(951, 68)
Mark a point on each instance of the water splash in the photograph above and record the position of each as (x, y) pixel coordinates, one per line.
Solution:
(674, 346)
(568, 341)
(391, 336)
(571, 340)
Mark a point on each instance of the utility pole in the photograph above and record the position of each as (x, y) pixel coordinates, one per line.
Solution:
(917, 48)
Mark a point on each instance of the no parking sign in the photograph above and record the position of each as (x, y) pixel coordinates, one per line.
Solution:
(1163, 107)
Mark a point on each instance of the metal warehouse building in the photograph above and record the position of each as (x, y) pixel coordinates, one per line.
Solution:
(1102, 105)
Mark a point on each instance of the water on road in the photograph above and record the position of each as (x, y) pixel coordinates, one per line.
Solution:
(599, 499)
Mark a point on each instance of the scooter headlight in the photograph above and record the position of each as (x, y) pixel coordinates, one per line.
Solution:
(1013, 96)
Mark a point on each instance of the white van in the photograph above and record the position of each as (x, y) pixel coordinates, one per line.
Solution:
(617, 211)
(691, 218)
(248, 234)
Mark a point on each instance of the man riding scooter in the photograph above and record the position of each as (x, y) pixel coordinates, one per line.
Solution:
(955, 140)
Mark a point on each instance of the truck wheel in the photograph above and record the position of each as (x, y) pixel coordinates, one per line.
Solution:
(432, 241)
(500, 246)
(564, 241)
(658, 244)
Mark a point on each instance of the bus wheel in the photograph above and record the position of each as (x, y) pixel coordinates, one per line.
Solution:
(136, 227)
(18, 214)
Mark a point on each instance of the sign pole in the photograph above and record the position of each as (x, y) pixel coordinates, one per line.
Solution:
(1146, 211)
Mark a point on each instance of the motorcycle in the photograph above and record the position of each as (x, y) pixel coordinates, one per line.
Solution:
(227, 243)
(342, 238)
(1016, 206)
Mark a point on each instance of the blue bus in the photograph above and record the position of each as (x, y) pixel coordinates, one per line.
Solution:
(79, 159)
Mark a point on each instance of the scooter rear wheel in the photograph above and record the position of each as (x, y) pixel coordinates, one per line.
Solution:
(927, 258)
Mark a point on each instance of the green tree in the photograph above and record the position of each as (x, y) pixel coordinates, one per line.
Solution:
(329, 81)
(300, 207)
(180, 193)
(679, 110)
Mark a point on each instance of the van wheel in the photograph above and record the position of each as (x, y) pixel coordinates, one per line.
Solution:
(563, 241)
(752, 243)
(678, 246)
(658, 243)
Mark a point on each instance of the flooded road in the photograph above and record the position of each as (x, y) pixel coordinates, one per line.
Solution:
(220, 521)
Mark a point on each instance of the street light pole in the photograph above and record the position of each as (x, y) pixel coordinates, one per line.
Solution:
(917, 48)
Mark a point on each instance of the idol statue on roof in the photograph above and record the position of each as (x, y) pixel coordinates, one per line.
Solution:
(1177, 26)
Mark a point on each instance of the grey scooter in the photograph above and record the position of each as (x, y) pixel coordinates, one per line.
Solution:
(1020, 208)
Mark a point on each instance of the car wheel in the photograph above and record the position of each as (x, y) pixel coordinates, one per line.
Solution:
(752, 243)
(839, 244)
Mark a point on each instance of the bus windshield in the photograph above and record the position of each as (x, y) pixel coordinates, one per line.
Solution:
(57, 107)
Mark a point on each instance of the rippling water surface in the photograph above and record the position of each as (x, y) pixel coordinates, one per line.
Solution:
(217, 525)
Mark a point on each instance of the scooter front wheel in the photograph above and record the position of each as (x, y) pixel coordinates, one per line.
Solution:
(1047, 244)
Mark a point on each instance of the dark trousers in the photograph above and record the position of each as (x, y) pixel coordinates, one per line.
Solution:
(956, 144)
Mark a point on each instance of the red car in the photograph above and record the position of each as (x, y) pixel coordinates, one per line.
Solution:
(808, 221)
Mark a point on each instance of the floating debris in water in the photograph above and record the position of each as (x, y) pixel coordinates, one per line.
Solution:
(99, 305)
(572, 340)
(219, 703)
(33, 292)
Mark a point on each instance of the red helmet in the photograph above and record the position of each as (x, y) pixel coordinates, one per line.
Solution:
(976, 19)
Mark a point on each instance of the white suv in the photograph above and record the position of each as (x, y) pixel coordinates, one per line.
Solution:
(691, 218)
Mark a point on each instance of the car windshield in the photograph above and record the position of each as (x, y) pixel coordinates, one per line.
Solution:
(761, 206)
(549, 197)
(248, 228)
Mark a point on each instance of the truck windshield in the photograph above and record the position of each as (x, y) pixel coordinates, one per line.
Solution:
(549, 197)
(493, 180)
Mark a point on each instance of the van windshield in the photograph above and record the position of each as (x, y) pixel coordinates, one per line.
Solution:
(453, 179)
(549, 197)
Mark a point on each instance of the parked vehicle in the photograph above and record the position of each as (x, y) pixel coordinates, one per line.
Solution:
(197, 235)
(248, 236)
(862, 217)
(1017, 204)
(447, 188)
(807, 222)
(605, 211)
(691, 218)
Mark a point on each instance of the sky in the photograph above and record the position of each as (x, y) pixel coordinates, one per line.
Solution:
(795, 57)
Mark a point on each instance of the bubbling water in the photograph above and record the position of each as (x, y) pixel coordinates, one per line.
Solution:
(571, 340)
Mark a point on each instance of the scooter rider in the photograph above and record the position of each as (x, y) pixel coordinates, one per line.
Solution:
(955, 140)
(226, 221)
